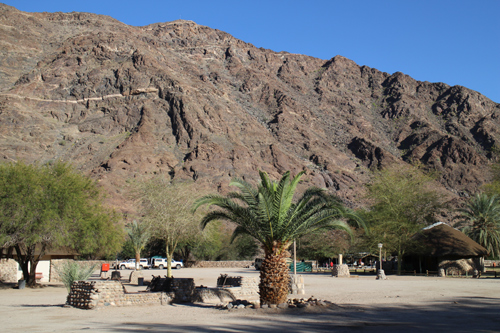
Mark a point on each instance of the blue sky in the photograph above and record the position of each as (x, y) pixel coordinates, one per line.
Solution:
(452, 41)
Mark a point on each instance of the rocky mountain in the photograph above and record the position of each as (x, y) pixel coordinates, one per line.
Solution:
(193, 102)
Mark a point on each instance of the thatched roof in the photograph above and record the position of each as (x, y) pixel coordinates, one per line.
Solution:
(441, 240)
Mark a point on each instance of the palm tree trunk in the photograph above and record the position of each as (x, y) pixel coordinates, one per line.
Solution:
(274, 278)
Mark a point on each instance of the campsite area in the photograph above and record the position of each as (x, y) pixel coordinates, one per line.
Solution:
(399, 303)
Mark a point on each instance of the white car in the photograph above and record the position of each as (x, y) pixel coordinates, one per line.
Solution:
(161, 263)
(130, 264)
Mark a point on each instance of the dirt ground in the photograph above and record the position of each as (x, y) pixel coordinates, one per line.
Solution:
(412, 304)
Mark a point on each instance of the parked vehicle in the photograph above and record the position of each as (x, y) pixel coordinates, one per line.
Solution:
(161, 263)
(258, 263)
(130, 264)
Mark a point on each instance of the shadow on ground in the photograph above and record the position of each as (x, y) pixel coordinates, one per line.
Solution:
(40, 305)
(458, 315)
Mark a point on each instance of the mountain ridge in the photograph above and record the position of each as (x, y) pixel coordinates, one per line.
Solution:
(193, 102)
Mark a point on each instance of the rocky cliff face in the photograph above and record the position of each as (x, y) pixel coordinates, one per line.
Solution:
(193, 102)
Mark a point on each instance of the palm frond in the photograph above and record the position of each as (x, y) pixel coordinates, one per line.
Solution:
(269, 214)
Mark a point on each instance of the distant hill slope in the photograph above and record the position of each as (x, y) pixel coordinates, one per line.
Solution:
(121, 101)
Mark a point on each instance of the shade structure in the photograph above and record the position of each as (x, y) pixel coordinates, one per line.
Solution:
(441, 240)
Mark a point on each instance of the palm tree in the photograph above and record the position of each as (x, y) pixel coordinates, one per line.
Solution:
(268, 214)
(139, 236)
(480, 220)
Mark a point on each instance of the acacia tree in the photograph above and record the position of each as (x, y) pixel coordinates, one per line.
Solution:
(268, 214)
(139, 235)
(165, 207)
(403, 201)
(52, 206)
(322, 245)
(480, 220)
(493, 188)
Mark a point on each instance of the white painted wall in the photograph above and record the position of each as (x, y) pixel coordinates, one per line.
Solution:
(42, 267)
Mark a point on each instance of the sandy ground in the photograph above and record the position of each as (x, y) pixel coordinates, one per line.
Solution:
(412, 304)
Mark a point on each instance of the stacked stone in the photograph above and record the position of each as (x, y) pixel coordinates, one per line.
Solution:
(249, 286)
(92, 294)
(242, 286)
(8, 270)
(83, 295)
(341, 271)
(304, 303)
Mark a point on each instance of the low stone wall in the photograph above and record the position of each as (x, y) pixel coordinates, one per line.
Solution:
(222, 264)
(229, 289)
(93, 294)
(8, 270)
(245, 287)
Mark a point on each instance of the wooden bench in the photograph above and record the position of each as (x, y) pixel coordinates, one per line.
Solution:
(38, 276)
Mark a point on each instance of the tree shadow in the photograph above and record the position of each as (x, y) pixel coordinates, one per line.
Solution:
(40, 305)
(458, 314)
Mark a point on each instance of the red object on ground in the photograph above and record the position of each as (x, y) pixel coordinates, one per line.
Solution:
(105, 267)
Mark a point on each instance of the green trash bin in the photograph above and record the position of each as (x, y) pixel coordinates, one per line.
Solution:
(21, 284)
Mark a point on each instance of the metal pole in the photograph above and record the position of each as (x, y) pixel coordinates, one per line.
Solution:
(380, 257)
(294, 258)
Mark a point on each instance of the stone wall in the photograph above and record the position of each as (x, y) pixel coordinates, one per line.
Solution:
(229, 289)
(245, 287)
(94, 294)
(8, 270)
(223, 264)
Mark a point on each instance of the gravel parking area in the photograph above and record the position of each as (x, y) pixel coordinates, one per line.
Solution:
(412, 304)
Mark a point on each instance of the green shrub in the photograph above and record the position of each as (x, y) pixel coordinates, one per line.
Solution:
(72, 271)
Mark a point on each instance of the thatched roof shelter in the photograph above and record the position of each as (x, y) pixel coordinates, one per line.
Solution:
(441, 240)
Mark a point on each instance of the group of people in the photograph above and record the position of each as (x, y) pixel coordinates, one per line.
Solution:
(359, 262)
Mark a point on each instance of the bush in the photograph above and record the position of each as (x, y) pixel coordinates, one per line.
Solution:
(72, 271)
